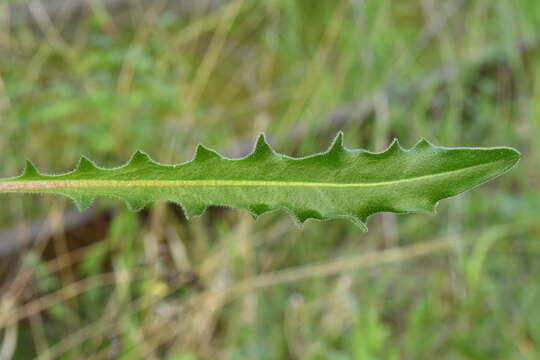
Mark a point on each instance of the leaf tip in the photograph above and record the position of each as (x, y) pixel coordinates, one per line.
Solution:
(83, 202)
(513, 154)
(394, 147)
(85, 164)
(30, 170)
(139, 157)
(135, 204)
(203, 153)
(337, 144)
(510, 156)
(261, 147)
(192, 210)
(423, 143)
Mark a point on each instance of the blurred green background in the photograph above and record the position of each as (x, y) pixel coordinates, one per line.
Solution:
(162, 77)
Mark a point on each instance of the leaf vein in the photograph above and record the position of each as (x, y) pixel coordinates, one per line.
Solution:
(51, 184)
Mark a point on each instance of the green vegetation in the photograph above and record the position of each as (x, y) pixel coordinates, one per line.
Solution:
(337, 183)
(461, 285)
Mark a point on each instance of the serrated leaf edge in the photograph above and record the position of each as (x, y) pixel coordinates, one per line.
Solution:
(261, 148)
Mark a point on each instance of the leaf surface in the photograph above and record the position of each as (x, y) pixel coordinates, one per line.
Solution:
(337, 183)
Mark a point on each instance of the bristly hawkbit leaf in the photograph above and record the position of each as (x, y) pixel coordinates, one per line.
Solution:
(336, 183)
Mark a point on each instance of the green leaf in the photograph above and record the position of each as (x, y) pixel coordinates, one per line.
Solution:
(337, 183)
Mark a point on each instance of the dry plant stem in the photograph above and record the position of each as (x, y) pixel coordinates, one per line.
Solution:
(67, 292)
(259, 282)
(9, 343)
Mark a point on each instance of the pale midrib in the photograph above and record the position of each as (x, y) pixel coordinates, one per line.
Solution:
(62, 184)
